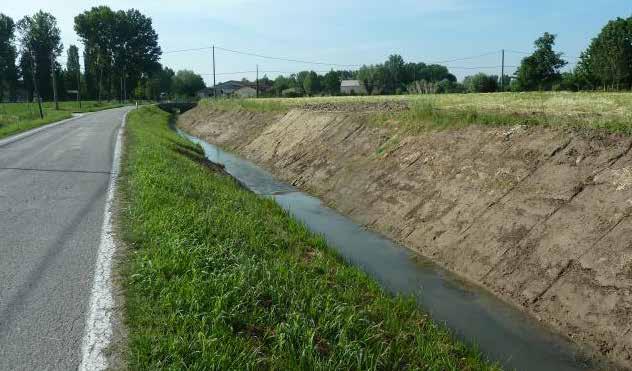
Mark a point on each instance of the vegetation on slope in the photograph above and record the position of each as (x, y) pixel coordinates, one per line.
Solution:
(220, 278)
(19, 117)
(609, 111)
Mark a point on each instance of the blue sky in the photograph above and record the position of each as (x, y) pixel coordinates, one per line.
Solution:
(350, 31)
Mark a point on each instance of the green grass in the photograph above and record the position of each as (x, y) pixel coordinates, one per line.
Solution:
(609, 111)
(19, 117)
(219, 278)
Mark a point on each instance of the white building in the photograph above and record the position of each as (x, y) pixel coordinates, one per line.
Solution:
(352, 87)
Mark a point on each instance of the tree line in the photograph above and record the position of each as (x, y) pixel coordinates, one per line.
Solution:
(605, 65)
(120, 58)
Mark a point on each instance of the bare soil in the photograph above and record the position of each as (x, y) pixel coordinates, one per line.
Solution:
(539, 216)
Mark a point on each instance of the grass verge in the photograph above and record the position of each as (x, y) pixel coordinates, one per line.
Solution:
(611, 112)
(219, 278)
(18, 117)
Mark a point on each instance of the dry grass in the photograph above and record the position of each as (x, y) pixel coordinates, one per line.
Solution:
(611, 111)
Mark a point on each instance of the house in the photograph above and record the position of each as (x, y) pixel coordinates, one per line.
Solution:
(242, 89)
(204, 93)
(352, 87)
(245, 92)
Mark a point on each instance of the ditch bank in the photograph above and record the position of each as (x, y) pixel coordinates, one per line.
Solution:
(539, 216)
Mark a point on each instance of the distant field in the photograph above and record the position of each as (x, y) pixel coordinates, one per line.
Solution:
(612, 111)
(18, 117)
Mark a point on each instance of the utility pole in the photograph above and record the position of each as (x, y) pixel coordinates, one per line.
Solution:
(36, 91)
(502, 72)
(52, 69)
(214, 88)
(257, 82)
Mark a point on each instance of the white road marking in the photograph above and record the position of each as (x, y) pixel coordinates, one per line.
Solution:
(98, 329)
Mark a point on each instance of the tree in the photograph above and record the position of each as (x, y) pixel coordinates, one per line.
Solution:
(96, 27)
(311, 83)
(280, 83)
(121, 47)
(373, 78)
(165, 80)
(187, 83)
(300, 81)
(446, 86)
(40, 41)
(331, 83)
(481, 83)
(608, 59)
(73, 69)
(8, 56)
(541, 69)
(394, 73)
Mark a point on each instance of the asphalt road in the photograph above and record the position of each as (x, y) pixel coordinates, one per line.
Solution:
(53, 188)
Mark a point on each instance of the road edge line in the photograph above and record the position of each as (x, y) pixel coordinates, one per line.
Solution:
(98, 325)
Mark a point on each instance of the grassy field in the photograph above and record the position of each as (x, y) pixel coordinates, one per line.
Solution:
(610, 111)
(219, 278)
(18, 117)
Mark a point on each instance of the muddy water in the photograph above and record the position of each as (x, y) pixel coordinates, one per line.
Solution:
(500, 331)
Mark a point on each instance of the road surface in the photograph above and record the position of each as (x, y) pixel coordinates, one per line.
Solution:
(53, 187)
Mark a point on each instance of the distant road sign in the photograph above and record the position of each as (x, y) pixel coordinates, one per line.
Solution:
(73, 91)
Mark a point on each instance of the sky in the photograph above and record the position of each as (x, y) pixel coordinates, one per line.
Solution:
(348, 32)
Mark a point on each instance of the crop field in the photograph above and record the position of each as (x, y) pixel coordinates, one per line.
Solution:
(18, 117)
(610, 111)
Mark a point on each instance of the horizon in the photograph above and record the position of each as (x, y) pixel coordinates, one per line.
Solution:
(436, 31)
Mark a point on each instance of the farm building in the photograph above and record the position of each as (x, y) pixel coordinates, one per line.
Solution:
(245, 92)
(352, 87)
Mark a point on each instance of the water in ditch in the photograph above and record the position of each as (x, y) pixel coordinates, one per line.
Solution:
(500, 331)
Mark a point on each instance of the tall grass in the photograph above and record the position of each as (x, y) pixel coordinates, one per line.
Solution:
(18, 117)
(219, 278)
(609, 111)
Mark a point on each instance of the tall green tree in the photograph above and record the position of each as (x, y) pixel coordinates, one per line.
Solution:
(311, 83)
(481, 83)
(96, 28)
(122, 48)
(331, 83)
(8, 56)
(280, 83)
(187, 83)
(73, 68)
(608, 58)
(165, 79)
(40, 45)
(541, 70)
(373, 78)
(394, 71)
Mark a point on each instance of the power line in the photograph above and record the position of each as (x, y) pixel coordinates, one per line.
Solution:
(262, 56)
(187, 50)
(477, 67)
(286, 59)
(466, 58)
(528, 53)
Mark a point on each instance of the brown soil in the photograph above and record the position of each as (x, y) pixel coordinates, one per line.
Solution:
(541, 217)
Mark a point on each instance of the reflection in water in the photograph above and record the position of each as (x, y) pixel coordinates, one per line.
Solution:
(502, 332)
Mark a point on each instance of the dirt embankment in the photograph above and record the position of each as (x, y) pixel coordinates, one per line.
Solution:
(539, 216)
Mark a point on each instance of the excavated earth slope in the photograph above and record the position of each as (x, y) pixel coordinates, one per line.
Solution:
(541, 217)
